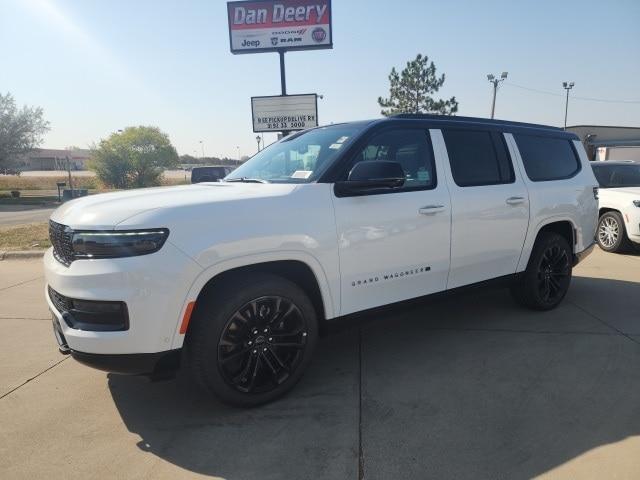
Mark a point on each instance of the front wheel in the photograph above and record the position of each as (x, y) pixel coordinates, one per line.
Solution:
(546, 280)
(612, 235)
(252, 339)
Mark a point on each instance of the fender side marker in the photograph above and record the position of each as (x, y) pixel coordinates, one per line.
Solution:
(187, 316)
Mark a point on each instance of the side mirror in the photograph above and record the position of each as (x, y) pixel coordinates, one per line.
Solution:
(371, 176)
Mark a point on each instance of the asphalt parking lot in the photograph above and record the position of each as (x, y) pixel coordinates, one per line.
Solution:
(461, 387)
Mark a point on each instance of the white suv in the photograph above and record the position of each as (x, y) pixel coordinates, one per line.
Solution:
(619, 224)
(234, 278)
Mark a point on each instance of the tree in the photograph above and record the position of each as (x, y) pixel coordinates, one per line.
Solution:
(133, 158)
(411, 91)
(21, 130)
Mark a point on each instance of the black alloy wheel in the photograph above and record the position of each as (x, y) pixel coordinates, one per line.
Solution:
(251, 338)
(545, 282)
(554, 272)
(262, 344)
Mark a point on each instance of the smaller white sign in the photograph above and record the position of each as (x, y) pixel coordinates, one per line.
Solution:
(284, 112)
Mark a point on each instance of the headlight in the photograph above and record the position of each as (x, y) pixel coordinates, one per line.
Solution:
(636, 203)
(113, 244)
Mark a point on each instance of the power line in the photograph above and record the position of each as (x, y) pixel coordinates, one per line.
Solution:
(554, 94)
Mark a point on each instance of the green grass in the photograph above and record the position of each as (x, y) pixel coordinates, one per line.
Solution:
(12, 182)
(33, 236)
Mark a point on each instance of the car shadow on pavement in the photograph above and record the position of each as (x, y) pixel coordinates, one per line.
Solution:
(466, 386)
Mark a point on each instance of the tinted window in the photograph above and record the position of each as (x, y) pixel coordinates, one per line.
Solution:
(410, 148)
(478, 157)
(612, 176)
(547, 158)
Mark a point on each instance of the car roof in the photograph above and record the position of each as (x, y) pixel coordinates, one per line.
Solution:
(437, 121)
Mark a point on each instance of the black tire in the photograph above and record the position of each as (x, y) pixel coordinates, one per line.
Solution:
(239, 366)
(612, 234)
(545, 282)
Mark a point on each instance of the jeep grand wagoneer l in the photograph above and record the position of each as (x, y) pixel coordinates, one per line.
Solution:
(234, 277)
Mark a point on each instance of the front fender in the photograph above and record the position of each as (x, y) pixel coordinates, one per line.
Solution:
(229, 264)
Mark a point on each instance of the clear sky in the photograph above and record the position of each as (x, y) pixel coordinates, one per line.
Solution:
(96, 66)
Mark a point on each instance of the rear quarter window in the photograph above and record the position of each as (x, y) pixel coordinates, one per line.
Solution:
(547, 158)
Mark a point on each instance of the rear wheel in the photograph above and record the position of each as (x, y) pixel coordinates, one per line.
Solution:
(251, 340)
(612, 235)
(546, 280)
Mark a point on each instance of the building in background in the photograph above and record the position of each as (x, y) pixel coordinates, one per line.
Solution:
(52, 159)
(609, 143)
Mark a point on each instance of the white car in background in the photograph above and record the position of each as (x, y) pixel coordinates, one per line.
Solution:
(619, 224)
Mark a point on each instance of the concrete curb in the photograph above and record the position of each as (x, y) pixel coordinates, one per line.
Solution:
(21, 255)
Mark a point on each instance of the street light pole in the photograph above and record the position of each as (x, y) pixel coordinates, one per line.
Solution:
(202, 146)
(567, 86)
(495, 81)
(258, 140)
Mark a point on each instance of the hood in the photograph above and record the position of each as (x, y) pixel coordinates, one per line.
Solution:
(107, 210)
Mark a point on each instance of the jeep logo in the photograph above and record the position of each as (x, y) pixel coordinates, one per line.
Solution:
(251, 43)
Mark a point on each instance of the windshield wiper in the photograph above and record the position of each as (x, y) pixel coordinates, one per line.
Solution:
(246, 180)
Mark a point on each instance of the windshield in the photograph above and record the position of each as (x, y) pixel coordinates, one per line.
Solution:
(614, 176)
(300, 158)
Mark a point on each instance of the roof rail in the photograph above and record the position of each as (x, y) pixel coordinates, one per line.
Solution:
(455, 118)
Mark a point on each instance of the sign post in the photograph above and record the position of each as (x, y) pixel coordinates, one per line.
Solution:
(272, 25)
(258, 26)
(283, 113)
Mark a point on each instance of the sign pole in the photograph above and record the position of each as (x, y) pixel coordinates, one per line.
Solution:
(283, 81)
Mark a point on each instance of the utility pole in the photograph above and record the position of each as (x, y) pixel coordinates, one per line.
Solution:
(567, 86)
(495, 81)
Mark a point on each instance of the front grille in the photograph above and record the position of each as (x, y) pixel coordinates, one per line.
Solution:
(60, 236)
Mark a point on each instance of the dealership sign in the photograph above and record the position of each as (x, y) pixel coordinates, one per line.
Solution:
(284, 112)
(270, 25)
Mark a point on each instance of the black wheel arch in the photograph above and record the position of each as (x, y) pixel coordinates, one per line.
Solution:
(295, 271)
(564, 228)
(604, 210)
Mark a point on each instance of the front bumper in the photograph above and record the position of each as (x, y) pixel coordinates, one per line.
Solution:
(152, 364)
(154, 288)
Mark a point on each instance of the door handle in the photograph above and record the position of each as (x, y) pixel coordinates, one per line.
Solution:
(430, 209)
(515, 200)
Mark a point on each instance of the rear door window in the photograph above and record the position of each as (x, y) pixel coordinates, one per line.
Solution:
(547, 158)
(478, 157)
